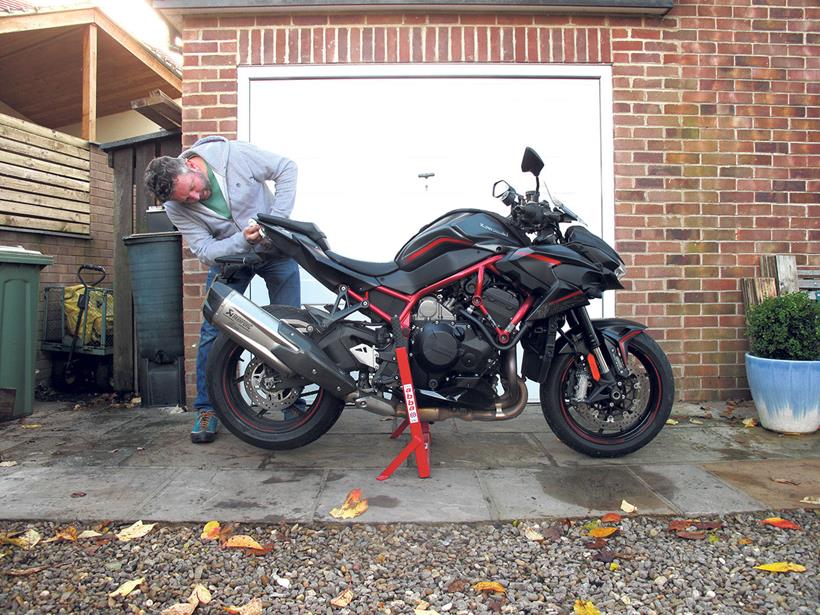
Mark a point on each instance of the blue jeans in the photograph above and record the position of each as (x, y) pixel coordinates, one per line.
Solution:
(282, 279)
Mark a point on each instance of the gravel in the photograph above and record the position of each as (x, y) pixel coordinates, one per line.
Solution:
(644, 568)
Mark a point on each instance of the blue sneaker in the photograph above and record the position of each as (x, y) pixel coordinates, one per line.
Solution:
(205, 427)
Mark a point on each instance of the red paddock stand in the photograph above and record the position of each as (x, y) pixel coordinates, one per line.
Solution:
(419, 432)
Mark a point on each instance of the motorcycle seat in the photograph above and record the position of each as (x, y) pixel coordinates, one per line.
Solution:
(365, 267)
(305, 228)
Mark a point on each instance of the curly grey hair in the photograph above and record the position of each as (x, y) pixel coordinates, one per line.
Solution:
(161, 174)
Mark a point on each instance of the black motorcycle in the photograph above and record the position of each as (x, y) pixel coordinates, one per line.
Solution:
(452, 308)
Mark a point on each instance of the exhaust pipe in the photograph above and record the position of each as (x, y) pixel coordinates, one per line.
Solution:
(275, 342)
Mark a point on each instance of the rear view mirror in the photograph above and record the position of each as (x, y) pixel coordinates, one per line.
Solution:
(532, 163)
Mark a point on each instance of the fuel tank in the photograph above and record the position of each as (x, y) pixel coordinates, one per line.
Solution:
(459, 230)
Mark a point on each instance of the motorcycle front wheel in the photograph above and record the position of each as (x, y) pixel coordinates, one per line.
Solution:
(610, 429)
(254, 402)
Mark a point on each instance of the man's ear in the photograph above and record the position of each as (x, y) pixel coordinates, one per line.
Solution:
(189, 162)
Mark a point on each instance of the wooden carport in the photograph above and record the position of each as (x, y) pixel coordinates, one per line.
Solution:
(60, 66)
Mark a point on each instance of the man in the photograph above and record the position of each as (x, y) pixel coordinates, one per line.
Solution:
(211, 192)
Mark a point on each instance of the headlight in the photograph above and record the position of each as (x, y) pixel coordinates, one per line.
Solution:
(620, 272)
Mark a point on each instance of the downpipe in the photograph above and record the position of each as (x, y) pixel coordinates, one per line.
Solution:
(509, 404)
(275, 342)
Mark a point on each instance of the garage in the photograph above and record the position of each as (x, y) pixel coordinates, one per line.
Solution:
(383, 150)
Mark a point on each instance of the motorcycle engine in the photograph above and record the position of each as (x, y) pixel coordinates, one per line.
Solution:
(447, 353)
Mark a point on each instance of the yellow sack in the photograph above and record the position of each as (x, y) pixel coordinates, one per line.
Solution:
(91, 324)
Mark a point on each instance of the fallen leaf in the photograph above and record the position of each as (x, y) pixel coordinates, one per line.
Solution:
(592, 524)
(68, 533)
(241, 541)
(126, 588)
(31, 426)
(811, 500)
(137, 530)
(88, 534)
(353, 506)
(457, 586)
(782, 567)
(700, 535)
(598, 543)
(783, 524)
(750, 422)
(7, 464)
(25, 540)
(784, 481)
(24, 572)
(585, 607)
(604, 555)
(611, 518)
(210, 531)
(744, 541)
(712, 538)
(200, 595)
(553, 532)
(489, 586)
(695, 422)
(614, 566)
(254, 607)
(627, 507)
(680, 524)
(182, 608)
(602, 532)
(531, 534)
(671, 422)
(343, 599)
(78, 494)
(708, 525)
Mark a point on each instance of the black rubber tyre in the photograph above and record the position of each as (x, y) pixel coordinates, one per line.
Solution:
(228, 367)
(581, 427)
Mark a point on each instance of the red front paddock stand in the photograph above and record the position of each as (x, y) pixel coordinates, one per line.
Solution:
(419, 432)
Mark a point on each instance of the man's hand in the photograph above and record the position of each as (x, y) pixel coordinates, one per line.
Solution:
(252, 232)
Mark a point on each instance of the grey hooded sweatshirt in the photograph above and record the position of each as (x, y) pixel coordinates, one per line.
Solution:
(245, 168)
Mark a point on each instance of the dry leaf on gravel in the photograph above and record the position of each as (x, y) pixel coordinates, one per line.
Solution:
(783, 524)
(489, 586)
(602, 532)
(343, 599)
(254, 607)
(210, 531)
(69, 534)
(241, 541)
(750, 422)
(680, 524)
(182, 608)
(88, 534)
(585, 607)
(611, 518)
(699, 535)
(24, 572)
(811, 500)
(533, 535)
(627, 507)
(708, 525)
(24, 540)
(200, 595)
(457, 586)
(126, 588)
(353, 506)
(598, 543)
(137, 530)
(782, 567)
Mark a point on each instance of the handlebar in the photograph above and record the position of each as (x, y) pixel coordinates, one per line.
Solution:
(98, 278)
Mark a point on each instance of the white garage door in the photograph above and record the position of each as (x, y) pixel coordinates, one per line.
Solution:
(383, 150)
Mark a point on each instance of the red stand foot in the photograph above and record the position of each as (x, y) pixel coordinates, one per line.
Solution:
(419, 432)
(398, 431)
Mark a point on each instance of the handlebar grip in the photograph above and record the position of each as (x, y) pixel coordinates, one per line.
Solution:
(88, 267)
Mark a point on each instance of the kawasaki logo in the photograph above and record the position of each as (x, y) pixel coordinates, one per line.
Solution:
(493, 230)
(410, 400)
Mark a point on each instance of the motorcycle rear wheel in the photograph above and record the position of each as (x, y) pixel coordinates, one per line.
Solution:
(241, 389)
(601, 431)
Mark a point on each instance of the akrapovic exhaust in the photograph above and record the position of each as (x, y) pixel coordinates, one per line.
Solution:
(275, 342)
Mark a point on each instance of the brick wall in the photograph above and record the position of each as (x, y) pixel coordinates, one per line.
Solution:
(715, 134)
(70, 252)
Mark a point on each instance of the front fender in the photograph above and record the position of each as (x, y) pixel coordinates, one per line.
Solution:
(617, 330)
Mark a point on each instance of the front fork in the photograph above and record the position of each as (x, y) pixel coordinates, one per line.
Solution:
(607, 381)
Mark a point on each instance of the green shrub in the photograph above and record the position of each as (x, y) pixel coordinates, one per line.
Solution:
(785, 327)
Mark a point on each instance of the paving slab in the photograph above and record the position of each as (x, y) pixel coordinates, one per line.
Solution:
(695, 491)
(47, 492)
(568, 492)
(757, 479)
(454, 495)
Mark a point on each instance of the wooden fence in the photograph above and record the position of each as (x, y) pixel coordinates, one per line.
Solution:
(45, 179)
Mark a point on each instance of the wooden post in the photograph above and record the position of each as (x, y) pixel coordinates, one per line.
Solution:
(124, 345)
(89, 128)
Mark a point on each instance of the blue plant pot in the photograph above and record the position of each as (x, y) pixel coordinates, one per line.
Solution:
(786, 393)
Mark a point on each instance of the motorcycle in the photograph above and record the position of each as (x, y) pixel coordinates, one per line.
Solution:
(433, 334)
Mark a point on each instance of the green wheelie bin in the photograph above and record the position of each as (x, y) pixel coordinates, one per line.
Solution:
(19, 300)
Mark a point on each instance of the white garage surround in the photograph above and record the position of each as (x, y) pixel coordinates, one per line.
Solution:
(362, 135)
